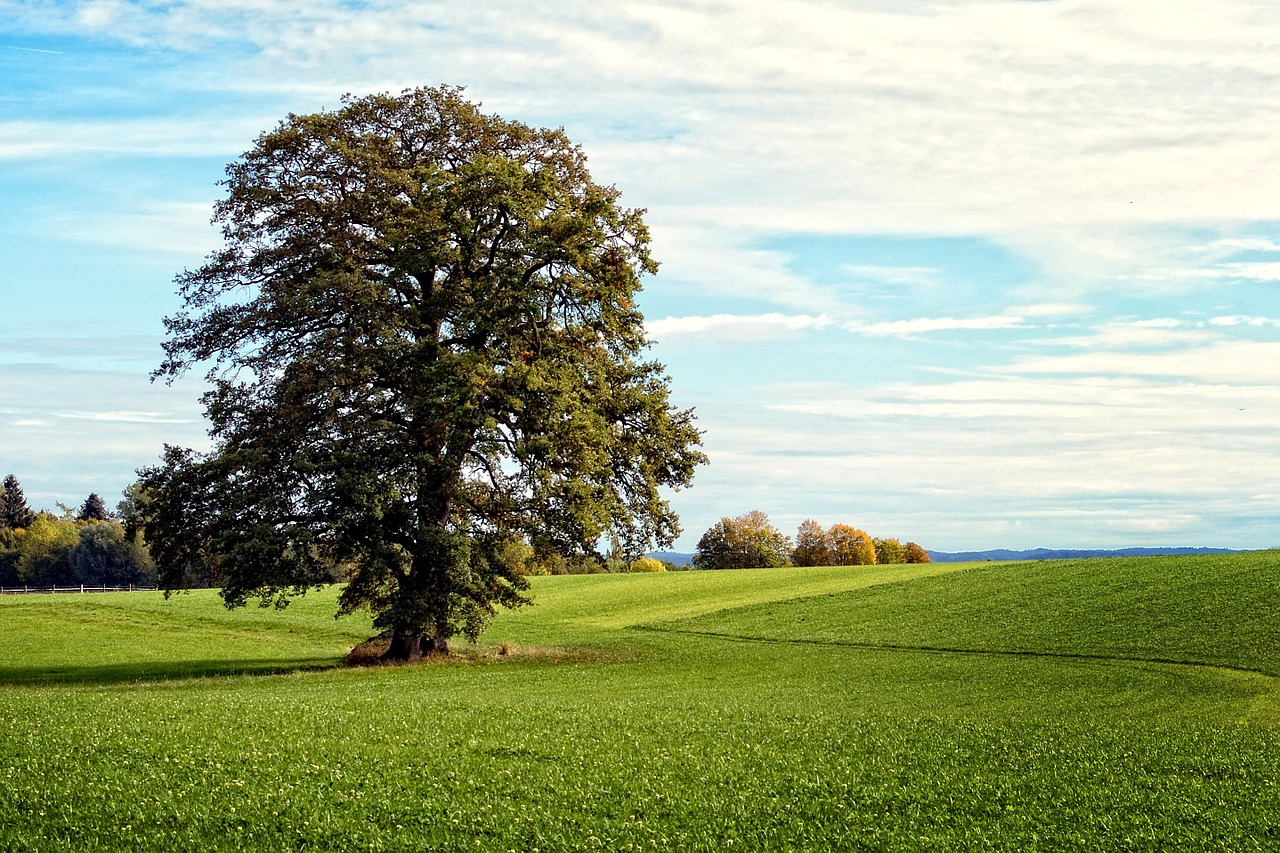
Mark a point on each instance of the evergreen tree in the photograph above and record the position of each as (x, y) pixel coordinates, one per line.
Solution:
(93, 509)
(17, 515)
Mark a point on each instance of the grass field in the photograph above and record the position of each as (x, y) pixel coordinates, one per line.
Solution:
(1128, 704)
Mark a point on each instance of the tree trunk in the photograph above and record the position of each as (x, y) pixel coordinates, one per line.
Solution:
(406, 645)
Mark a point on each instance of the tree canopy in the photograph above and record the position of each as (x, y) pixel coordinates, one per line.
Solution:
(850, 546)
(889, 550)
(749, 541)
(811, 547)
(913, 553)
(423, 345)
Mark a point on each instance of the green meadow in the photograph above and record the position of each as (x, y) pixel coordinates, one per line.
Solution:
(1112, 704)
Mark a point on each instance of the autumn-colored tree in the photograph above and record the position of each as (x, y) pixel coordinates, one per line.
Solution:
(749, 541)
(913, 553)
(850, 546)
(889, 551)
(811, 545)
(646, 564)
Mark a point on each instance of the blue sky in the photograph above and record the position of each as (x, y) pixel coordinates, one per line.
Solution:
(975, 274)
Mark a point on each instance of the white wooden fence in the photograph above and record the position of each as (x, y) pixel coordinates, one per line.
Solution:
(28, 590)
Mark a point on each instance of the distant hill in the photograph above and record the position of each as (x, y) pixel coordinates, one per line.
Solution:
(673, 557)
(1065, 554)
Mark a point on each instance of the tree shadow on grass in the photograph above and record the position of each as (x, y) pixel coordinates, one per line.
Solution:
(106, 675)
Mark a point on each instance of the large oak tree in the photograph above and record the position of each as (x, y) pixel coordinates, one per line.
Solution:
(423, 346)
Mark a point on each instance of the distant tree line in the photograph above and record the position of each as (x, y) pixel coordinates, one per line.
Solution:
(750, 541)
(88, 545)
(94, 546)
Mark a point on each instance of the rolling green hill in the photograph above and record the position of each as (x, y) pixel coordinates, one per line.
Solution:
(1127, 704)
(1193, 610)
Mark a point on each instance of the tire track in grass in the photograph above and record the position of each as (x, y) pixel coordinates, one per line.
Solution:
(1099, 657)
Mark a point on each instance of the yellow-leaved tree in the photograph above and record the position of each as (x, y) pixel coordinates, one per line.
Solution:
(850, 546)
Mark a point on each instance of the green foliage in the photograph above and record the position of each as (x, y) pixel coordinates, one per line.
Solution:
(746, 542)
(609, 726)
(57, 551)
(889, 550)
(425, 348)
(9, 554)
(44, 550)
(105, 556)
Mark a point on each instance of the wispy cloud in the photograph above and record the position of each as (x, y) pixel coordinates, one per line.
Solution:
(1225, 362)
(1240, 320)
(922, 325)
(126, 417)
(189, 136)
(30, 49)
(171, 228)
(722, 327)
(905, 276)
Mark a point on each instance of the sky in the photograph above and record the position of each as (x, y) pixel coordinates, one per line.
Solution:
(972, 274)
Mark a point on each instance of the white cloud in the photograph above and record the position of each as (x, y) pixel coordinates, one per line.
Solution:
(905, 276)
(126, 417)
(1231, 245)
(98, 15)
(723, 263)
(1159, 334)
(219, 136)
(63, 431)
(730, 327)
(1228, 362)
(1240, 320)
(958, 116)
(1134, 457)
(1258, 271)
(1049, 309)
(156, 227)
(922, 325)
